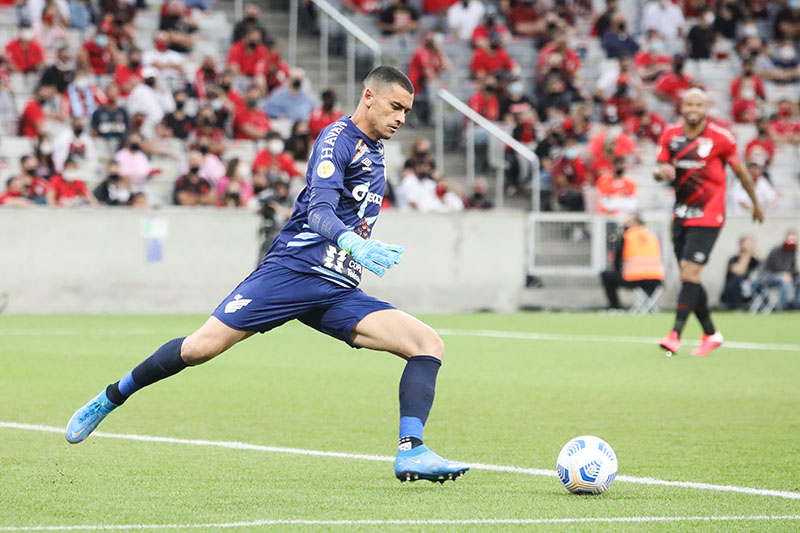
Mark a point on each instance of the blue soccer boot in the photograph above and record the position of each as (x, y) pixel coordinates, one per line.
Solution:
(422, 463)
(86, 419)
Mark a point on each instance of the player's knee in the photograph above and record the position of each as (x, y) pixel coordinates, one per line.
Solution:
(428, 343)
(198, 349)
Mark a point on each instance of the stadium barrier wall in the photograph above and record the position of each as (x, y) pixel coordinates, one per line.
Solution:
(182, 260)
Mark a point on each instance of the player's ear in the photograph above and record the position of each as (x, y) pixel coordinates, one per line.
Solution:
(369, 96)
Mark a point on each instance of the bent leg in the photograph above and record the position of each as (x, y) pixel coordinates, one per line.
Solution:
(611, 280)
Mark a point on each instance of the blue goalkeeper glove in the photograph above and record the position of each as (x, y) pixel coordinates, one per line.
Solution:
(374, 255)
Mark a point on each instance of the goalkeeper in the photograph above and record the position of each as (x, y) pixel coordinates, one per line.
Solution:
(311, 273)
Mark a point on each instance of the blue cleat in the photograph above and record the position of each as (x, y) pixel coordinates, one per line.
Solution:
(422, 463)
(86, 419)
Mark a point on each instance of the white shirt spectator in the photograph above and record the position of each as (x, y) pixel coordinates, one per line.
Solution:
(740, 203)
(169, 63)
(414, 194)
(154, 104)
(462, 20)
(35, 8)
(667, 18)
(80, 148)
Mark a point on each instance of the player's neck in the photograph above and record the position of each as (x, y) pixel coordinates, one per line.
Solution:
(694, 131)
(360, 121)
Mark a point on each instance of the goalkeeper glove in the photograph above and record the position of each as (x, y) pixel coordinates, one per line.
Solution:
(374, 255)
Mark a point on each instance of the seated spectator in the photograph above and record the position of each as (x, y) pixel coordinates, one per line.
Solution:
(741, 268)
(178, 124)
(525, 18)
(605, 146)
(205, 75)
(248, 56)
(191, 189)
(150, 98)
(128, 74)
(761, 149)
(81, 14)
(99, 54)
(249, 22)
(31, 122)
(421, 152)
(298, 145)
(666, 18)
(464, 17)
(168, 63)
(740, 203)
(746, 92)
(702, 36)
(671, 85)
(637, 262)
(479, 199)
(50, 29)
(556, 99)
(110, 121)
(514, 102)
(485, 101)
(558, 54)
(34, 188)
(652, 60)
(619, 106)
(75, 144)
(569, 177)
(643, 124)
(424, 70)
(786, 24)
(207, 131)
(617, 42)
(785, 67)
(179, 24)
(43, 152)
(82, 97)
(417, 190)
(480, 36)
(134, 162)
(364, 7)
(250, 122)
(14, 196)
(493, 60)
(603, 22)
(25, 54)
(785, 128)
(291, 101)
(234, 189)
(275, 155)
(611, 80)
(780, 270)
(277, 69)
(229, 94)
(398, 18)
(212, 168)
(69, 189)
(61, 72)
(616, 190)
(115, 188)
(325, 115)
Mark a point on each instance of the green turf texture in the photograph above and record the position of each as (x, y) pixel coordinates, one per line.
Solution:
(731, 418)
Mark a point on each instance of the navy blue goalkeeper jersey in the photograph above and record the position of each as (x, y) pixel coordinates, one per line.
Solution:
(346, 160)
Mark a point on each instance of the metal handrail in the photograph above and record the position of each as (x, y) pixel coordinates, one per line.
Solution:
(496, 132)
(328, 11)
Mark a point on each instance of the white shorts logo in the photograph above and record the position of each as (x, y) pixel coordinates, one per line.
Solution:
(325, 169)
(236, 304)
(699, 257)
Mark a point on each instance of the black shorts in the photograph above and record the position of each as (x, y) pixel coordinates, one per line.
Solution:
(693, 243)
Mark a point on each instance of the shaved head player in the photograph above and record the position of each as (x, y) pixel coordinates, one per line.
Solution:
(693, 157)
(311, 273)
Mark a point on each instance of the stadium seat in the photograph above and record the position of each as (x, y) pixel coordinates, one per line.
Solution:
(645, 303)
(765, 299)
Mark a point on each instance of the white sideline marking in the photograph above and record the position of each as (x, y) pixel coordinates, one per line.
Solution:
(432, 522)
(341, 455)
(524, 335)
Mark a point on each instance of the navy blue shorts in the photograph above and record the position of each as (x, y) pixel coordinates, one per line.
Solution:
(272, 295)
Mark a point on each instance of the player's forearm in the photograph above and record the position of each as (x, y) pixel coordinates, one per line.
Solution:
(322, 217)
(747, 183)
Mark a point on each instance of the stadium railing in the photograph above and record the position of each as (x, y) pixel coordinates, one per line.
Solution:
(502, 139)
(327, 12)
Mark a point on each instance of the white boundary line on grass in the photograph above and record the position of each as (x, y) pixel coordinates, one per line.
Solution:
(364, 457)
(533, 336)
(432, 522)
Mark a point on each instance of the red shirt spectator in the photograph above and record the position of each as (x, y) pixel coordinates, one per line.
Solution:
(670, 86)
(646, 59)
(647, 126)
(127, 77)
(99, 58)
(426, 64)
(481, 33)
(250, 60)
(246, 118)
(569, 174)
(571, 62)
(488, 62)
(603, 152)
(523, 18)
(32, 120)
(265, 159)
(745, 93)
(436, 6)
(320, 118)
(761, 150)
(25, 55)
(365, 7)
(67, 191)
(486, 103)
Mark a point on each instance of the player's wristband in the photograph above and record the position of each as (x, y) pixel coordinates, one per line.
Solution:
(375, 256)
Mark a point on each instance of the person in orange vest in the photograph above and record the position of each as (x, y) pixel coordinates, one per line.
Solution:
(637, 262)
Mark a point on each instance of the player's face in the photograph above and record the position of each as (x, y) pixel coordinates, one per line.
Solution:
(693, 109)
(388, 110)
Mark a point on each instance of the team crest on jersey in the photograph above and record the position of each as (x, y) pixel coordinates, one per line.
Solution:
(361, 149)
(325, 169)
(704, 146)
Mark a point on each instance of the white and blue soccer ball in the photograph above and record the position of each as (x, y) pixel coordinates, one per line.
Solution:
(587, 465)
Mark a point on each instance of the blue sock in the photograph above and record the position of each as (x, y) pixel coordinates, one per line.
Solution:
(417, 389)
(164, 362)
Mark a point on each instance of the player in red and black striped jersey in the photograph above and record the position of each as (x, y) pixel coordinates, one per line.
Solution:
(693, 156)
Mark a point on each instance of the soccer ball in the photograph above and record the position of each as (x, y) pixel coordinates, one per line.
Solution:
(587, 465)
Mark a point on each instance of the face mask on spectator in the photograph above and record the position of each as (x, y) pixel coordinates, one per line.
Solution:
(708, 18)
(790, 245)
(204, 149)
(787, 53)
(72, 175)
(515, 87)
(750, 30)
(150, 82)
(82, 82)
(225, 87)
(114, 177)
(296, 84)
(251, 103)
(101, 40)
(194, 170)
(275, 146)
(135, 147)
(46, 148)
(748, 93)
(77, 130)
(657, 46)
(161, 45)
(571, 152)
(179, 104)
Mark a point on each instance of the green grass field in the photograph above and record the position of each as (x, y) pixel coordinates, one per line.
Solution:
(729, 419)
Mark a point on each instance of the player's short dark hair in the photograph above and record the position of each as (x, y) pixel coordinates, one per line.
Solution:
(385, 75)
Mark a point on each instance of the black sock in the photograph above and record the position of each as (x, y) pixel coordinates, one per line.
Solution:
(412, 441)
(164, 362)
(687, 301)
(113, 393)
(703, 314)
